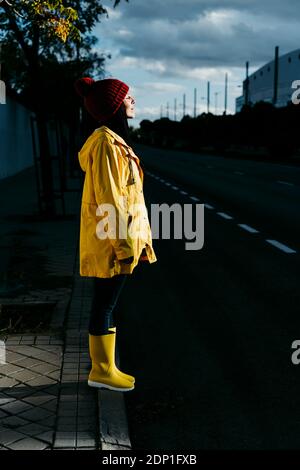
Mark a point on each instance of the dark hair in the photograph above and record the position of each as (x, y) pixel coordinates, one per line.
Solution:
(118, 123)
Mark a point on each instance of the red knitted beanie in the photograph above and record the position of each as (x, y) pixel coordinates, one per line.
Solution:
(102, 98)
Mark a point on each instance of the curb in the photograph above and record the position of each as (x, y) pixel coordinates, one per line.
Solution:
(113, 427)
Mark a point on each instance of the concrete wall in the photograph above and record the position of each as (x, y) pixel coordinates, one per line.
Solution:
(15, 138)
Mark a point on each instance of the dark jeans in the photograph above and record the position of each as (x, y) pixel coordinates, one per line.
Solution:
(106, 293)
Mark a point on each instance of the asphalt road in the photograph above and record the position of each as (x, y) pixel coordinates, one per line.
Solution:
(208, 333)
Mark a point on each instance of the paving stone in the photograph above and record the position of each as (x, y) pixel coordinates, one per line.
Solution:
(72, 398)
(69, 377)
(69, 420)
(24, 375)
(13, 421)
(7, 382)
(85, 419)
(33, 429)
(50, 422)
(28, 443)
(8, 369)
(12, 342)
(66, 427)
(51, 406)
(14, 357)
(65, 439)
(66, 412)
(39, 399)
(20, 391)
(44, 368)
(86, 427)
(53, 389)
(15, 407)
(29, 362)
(9, 436)
(46, 436)
(86, 442)
(41, 380)
(5, 400)
(36, 414)
(55, 375)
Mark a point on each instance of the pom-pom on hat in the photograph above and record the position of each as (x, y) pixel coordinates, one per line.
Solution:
(102, 98)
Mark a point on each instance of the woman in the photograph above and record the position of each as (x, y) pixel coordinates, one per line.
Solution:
(115, 233)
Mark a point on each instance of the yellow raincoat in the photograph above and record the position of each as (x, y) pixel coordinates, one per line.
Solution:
(113, 176)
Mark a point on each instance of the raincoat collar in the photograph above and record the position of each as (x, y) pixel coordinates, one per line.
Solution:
(115, 136)
(130, 152)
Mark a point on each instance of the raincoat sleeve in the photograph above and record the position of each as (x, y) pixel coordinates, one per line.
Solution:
(109, 190)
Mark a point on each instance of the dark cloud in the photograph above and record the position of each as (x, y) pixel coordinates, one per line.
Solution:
(187, 9)
(211, 33)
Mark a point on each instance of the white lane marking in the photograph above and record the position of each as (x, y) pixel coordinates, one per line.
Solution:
(275, 243)
(285, 182)
(225, 216)
(239, 173)
(248, 228)
(281, 246)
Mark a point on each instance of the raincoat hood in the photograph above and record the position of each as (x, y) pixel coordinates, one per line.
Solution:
(86, 151)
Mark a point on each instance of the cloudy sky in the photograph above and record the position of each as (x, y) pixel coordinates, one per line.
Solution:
(165, 48)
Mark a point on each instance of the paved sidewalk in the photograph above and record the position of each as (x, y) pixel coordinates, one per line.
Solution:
(45, 402)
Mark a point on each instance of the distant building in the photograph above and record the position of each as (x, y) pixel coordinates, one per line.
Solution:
(261, 82)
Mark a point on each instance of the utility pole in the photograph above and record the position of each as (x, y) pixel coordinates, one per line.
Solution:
(175, 108)
(2, 83)
(168, 110)
(247, 84)
(226, 93)
(216, 101)
(276, 60)
(195, 102)
(208, 96)
(183, 105)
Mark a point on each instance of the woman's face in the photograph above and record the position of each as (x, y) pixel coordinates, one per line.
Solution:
(129, 102)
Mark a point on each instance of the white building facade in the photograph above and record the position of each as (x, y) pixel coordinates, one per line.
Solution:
(261, 82)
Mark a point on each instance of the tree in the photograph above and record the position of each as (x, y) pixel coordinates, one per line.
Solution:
(42, 39)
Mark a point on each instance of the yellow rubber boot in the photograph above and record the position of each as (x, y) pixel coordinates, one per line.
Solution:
(103, 373)
(120, 373)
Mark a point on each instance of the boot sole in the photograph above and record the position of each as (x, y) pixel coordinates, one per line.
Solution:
(91, 383)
